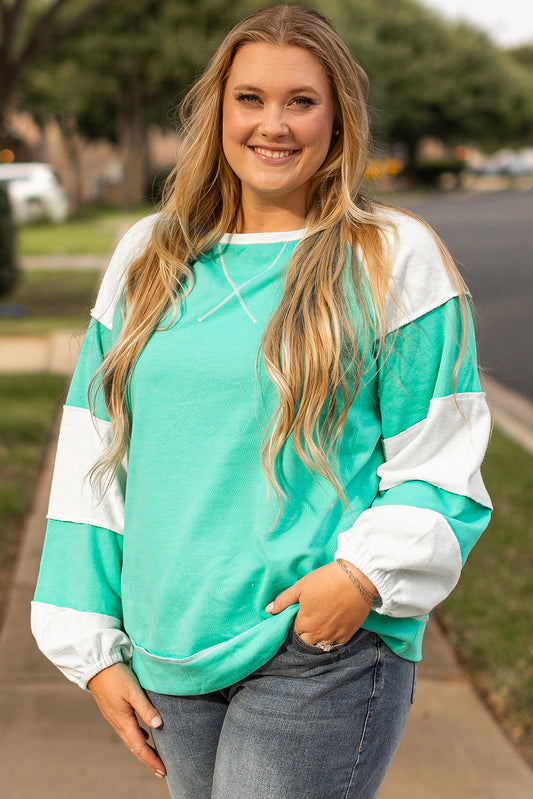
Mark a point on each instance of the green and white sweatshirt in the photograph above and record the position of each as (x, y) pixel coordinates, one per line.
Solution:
(173, 568)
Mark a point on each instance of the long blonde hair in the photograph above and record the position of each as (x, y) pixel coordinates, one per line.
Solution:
(310, 347)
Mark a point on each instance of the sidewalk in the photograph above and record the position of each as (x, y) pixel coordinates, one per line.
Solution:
(56, 746)
(55, 352)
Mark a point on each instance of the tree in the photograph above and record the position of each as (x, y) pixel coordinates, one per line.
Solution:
(523, 55)
(521, 63)
(31, 30)
(115, 80)
(431, 77)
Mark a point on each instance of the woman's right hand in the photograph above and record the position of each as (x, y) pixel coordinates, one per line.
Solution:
(119, 697)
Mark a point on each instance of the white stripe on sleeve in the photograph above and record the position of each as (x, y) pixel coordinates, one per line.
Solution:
(82, 439)
(444, 449)
(420, 281)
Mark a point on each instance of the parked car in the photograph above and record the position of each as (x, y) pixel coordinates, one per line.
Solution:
(35, 192)
(514, 163)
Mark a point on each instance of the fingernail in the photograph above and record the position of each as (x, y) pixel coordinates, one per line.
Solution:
(270, 607)
(156, 721)
(159, 774)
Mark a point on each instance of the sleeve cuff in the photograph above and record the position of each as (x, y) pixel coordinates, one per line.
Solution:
(79, 643)
(411, 555)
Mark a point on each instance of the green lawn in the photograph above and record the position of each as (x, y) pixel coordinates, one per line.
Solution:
(54, 300)
(93, 232)
(489, 617)
(29, 404)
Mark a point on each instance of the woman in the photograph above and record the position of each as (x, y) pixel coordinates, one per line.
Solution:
(278, 405)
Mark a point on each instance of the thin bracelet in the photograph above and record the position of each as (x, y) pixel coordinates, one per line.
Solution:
(367, 595)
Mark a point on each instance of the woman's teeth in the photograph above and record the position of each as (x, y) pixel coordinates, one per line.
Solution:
(272, 153)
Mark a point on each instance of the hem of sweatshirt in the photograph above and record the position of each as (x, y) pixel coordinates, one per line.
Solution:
(402, 635)
(226, 664)
(216, 667)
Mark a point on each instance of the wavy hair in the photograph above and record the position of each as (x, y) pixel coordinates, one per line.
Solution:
(310, 347)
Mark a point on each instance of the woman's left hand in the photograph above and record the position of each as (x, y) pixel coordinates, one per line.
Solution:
(331, 608)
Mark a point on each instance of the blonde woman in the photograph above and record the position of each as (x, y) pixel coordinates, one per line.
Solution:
(268, 467)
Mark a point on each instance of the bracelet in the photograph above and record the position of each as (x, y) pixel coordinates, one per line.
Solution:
(368, 596)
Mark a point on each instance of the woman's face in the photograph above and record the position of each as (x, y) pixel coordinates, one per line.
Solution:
(277, 120)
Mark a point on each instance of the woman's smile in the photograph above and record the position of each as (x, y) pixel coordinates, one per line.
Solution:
(273, 155)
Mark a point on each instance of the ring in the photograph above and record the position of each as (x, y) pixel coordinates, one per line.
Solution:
(324, 646)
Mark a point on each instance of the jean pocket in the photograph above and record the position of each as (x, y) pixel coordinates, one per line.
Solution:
(313, 648)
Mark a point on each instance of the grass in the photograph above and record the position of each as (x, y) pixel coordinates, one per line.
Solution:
(489, 617)
(29, 404)
(54, 300)
(93, 232)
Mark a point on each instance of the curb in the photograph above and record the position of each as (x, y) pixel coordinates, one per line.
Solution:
(511, 412)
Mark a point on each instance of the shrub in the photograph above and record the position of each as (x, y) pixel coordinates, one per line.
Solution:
(8, 262)
(429, 173)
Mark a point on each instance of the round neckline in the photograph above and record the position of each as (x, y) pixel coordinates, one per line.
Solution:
(263, 238)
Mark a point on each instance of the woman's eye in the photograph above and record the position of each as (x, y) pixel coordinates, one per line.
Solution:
(248, 99)
(303, 102)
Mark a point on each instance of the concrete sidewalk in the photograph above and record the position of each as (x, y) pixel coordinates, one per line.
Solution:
(92, 262)
(54, 352)
(56, 746)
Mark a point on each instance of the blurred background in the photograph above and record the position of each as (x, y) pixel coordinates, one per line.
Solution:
(88, 92)
(90, 87)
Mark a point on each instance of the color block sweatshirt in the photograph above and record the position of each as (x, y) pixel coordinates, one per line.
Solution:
(173, 568)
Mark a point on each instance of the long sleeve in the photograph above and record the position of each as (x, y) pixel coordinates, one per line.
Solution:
(77, 612)
(431, 505)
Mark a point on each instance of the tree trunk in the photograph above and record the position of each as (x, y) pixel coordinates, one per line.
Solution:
(132, 138)
(411, 156)
(5, 108)
(74, 184)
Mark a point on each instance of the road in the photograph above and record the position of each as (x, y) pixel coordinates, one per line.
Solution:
(491, 238)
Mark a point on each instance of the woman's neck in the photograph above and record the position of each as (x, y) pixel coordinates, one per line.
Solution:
(268, 218)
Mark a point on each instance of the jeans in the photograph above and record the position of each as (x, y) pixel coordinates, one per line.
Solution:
(307, 725)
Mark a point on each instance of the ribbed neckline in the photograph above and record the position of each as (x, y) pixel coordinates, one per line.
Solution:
(262, 238)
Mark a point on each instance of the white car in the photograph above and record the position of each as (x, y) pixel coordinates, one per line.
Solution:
(35, 192)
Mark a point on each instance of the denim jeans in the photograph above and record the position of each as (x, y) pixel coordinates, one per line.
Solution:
(307, 725)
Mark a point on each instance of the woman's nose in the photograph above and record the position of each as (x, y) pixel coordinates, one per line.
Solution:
(273, 122)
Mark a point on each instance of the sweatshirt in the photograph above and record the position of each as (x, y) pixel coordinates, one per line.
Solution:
(173, 567)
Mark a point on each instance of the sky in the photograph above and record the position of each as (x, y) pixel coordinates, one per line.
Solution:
(508, 22)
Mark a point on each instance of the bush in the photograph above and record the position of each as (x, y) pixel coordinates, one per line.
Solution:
(8, 262)
(429, 173)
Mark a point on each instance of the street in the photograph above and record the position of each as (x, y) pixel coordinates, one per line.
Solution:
(491, 238)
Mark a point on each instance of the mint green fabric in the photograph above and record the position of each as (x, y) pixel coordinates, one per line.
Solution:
(417, 364)
(83, 568)
(97, 341)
